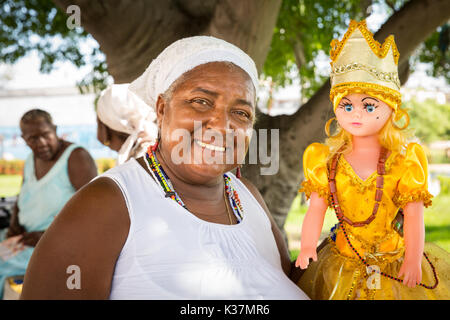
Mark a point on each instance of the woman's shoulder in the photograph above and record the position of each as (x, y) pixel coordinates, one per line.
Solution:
(103, 189)
(125, 168)
(100, 201)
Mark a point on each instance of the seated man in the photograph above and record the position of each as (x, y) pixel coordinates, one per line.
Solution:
(53, 172)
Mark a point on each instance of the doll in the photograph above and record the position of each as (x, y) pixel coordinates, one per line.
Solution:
(376, 183)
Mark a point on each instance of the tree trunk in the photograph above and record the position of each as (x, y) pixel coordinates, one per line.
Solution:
(411, 25)
(133, 32)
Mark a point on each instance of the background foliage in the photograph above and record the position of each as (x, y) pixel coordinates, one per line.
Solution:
(430, 120)
(38, 25)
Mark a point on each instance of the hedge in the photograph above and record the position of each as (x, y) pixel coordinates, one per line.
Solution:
(12, 167)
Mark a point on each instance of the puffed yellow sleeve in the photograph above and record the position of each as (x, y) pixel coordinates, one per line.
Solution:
(315, 171)
(413, 184)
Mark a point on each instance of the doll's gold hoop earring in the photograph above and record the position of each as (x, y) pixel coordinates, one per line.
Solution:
(403, 113)
(327, 126)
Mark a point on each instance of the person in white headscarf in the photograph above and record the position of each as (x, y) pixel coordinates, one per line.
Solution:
(153, 228)
(125, 123)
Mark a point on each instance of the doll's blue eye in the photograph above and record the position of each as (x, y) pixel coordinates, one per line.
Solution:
(348, 107)
(370, 108)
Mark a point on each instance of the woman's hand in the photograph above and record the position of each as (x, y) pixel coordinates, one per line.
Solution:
(412, 272)
(304, 256)
(14, 230)
(31, 238)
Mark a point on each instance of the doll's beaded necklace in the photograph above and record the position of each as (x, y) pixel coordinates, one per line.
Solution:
(159, 174)
(381, 171)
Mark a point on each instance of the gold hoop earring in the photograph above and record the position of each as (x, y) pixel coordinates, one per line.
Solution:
(401, 116)
(327, 126)
(156, 145)
(107, 143)
(238, 172)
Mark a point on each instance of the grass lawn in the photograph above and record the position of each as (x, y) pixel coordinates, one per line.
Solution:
(437, 223)
(10, 185)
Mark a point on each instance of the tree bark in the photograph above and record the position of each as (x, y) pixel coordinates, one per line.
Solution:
(411, 25)
(133, 32)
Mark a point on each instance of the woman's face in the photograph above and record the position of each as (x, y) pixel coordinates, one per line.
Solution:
(41, 137)
(362, 115)
(207, 122)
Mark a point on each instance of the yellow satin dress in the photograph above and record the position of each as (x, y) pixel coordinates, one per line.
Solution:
(338, 272)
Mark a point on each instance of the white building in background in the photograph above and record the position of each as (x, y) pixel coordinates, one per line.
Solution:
(66, 105)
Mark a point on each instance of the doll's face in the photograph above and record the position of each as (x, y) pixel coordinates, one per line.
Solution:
(362, 115)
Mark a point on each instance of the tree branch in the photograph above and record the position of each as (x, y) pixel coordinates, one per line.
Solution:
(247, 24)
(197, 8)
(299, 53)
(132, 33)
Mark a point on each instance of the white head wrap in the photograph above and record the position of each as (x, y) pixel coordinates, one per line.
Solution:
(126, 108)
(121, 110)
(184, 55)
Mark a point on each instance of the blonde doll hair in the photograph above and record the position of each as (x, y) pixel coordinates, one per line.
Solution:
(391, 136)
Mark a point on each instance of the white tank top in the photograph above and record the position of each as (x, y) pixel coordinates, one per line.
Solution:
(171, 254)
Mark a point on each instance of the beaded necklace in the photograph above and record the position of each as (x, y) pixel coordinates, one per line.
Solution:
(378, 195)
(158, 173)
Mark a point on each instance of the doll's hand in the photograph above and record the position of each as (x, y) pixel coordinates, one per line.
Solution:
(304, 256)
(412, 272)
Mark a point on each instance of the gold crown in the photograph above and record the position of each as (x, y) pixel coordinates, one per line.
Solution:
(360, 64)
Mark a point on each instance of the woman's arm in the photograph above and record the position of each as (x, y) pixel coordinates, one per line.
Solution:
(279, 239)
(311, 229)
(81, 167)
(14, 226)
(414, 235)
(87, 235)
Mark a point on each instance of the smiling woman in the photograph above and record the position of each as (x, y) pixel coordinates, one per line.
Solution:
(157, 228)
(214, 99)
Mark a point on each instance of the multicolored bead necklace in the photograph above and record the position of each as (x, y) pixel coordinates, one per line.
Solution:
(159, 175)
